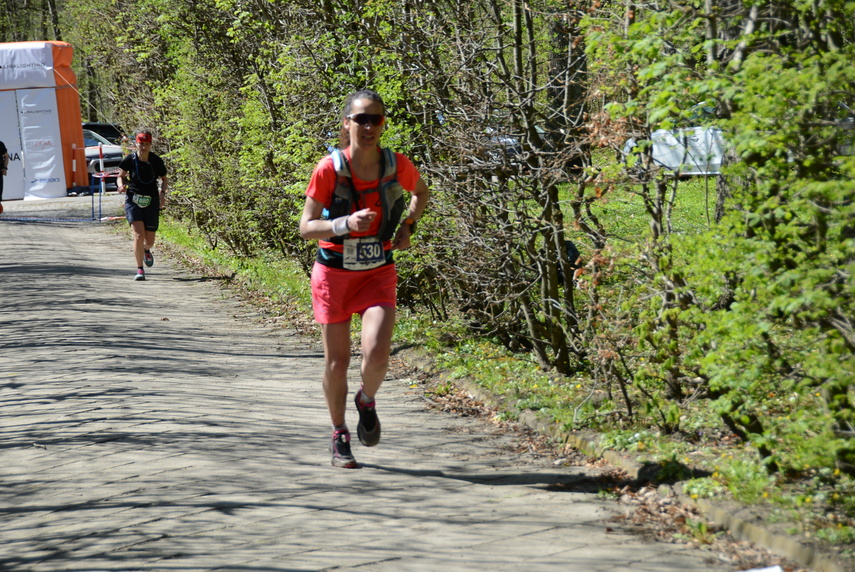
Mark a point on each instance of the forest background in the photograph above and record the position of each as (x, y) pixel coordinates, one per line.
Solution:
(707, 321)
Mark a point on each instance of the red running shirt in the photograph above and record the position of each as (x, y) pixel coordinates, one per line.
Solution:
(322, 186)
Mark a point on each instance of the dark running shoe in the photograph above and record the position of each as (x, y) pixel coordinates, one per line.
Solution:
(140, 275)
(340, 449)
(149, 258)
(368, 428)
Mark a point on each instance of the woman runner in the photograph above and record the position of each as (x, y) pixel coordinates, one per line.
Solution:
(145, 198)
(353, 208)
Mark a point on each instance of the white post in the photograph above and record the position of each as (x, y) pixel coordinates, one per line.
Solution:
(101, 167)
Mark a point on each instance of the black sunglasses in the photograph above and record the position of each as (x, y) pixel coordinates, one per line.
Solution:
(363, 119)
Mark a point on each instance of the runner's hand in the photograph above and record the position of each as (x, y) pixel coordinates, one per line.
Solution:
(360, 221)
(402, 238)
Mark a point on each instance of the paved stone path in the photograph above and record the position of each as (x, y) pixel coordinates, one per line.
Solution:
(156, 426)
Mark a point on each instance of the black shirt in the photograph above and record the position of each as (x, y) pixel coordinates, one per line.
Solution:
(143, 175)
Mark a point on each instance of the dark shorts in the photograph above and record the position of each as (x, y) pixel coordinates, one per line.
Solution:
(150, 216)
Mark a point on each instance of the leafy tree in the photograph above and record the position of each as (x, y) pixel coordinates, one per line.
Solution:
(29, 20)
(508, 107)
(757, 305)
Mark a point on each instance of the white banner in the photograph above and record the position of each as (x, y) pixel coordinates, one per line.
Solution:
(26, 64)
(10, 135)
(43, 168)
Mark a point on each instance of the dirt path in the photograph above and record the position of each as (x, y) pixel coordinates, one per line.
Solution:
(158, 425)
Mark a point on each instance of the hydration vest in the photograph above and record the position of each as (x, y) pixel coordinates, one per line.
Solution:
(345, 196)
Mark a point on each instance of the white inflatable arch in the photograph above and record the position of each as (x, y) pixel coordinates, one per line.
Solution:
(40, 120)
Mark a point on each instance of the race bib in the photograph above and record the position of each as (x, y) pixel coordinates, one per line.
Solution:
(141, 201)
(363, 253)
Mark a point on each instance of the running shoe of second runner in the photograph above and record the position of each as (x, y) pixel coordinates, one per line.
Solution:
(340, 449)
(140, 275)
(149, 258)
(368, 428)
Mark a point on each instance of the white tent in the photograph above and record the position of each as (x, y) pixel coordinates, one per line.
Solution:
(40, 120)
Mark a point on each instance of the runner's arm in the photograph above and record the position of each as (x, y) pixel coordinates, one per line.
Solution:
(313, 227)
(418, 203)
(120, 180)
(164, 184)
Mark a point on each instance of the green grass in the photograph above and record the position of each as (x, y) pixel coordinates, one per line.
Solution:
(622, 208)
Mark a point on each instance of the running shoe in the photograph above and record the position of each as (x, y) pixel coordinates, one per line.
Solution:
(368, 428)
(140, 274)
(149, 259)
(340, 449)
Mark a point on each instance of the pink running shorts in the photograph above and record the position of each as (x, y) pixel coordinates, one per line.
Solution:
(338, 294)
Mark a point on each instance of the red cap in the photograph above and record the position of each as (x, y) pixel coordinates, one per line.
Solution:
(143, 137)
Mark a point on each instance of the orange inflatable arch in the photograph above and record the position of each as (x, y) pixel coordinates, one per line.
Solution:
(70, 121)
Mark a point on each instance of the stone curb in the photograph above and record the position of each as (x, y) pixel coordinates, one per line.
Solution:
(737, 527)
(776, 543)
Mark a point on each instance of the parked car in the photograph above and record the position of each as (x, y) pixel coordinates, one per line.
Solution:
(113, 133)
(503, 146)
(96, 145)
